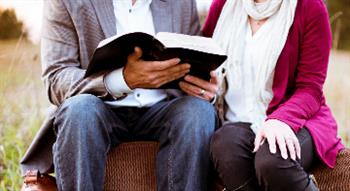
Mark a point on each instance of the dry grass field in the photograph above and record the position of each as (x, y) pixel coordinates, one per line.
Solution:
(23, 102)
(337, 90)
(22, 106)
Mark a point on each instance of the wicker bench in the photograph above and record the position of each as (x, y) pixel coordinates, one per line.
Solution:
(131, 167)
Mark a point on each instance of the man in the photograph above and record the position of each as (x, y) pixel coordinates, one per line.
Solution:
(87, 123)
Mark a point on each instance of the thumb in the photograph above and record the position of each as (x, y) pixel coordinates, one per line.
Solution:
(136, 55)
(214, 78)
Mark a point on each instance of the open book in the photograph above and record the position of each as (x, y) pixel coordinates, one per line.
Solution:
(203, 54)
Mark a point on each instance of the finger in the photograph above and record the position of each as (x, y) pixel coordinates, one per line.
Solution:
(163, 65)
(174, 69)
(166, 79)
(271, 139)
(192, 90)
(188, 91)
(214, 79)
(202, 83)
(297, 147)
(282, 146)
(291, 148)
(195, 91)
(172, 73)
(136, 55)
(258, 139)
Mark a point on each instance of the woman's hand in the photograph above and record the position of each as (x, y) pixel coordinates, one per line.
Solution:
(200, 88)
(277, 131)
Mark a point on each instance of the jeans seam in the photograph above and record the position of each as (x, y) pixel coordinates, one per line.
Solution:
(58, 160)
(170, 163)
(171, 181)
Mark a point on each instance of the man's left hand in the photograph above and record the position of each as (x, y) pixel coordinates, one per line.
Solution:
(200, 88)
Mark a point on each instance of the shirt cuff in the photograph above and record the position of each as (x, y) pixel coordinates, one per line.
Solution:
(115, 83)
(213, 101)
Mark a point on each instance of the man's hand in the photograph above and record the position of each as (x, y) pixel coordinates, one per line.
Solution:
(152, 74)
(276, 131)
(200, 88)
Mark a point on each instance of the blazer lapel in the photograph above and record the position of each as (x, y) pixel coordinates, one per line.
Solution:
(105, 14)
(162, 15)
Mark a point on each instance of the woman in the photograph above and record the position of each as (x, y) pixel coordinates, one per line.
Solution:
(276, 120)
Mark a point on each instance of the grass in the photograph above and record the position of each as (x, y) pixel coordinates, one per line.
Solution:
(23, 103)
(22, 106)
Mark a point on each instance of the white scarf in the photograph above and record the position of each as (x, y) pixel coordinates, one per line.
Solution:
(230, 32)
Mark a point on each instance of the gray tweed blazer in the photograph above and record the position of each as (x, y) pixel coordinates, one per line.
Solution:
(72, 30)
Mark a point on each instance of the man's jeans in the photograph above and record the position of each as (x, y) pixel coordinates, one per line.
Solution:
(87, 129)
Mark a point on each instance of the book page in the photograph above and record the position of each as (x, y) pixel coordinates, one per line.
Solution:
(203, 44)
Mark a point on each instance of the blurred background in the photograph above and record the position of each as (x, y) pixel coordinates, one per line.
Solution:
(23, 101)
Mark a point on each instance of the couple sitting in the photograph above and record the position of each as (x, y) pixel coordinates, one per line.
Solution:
(275, 122)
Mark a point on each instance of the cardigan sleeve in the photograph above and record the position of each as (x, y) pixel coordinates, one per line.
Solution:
(311, 70)
(213, 17)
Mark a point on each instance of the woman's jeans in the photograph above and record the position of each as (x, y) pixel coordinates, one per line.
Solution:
(87, 129)
(241, 169)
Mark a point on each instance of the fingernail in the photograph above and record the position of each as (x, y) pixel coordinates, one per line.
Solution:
(293, 157)
(284, 156)
(273, 150)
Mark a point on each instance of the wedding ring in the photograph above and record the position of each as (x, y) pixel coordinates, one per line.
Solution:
(202, 93)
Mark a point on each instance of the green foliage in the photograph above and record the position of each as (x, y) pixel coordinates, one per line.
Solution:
(341, 24)
(10, 26)
(11, 150)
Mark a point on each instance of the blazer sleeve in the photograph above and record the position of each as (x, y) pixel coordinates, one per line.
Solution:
(311, 70)
(62, 72)
(213, 17)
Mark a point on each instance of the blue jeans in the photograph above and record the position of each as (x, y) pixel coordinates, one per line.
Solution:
(87, 129)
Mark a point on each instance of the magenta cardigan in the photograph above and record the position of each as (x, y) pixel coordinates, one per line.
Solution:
(299, 76)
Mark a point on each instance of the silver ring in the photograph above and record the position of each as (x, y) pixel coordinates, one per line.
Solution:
(202, 93)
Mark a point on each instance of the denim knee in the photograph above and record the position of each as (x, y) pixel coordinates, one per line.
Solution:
(193, 108)
(79, 103)
(192, 119)
(80, 109)
(196, 111)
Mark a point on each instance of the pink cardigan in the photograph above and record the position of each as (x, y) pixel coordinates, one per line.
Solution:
(299, 76)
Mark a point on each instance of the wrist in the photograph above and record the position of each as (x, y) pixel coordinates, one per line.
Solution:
(128, 78)
(115, 83)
